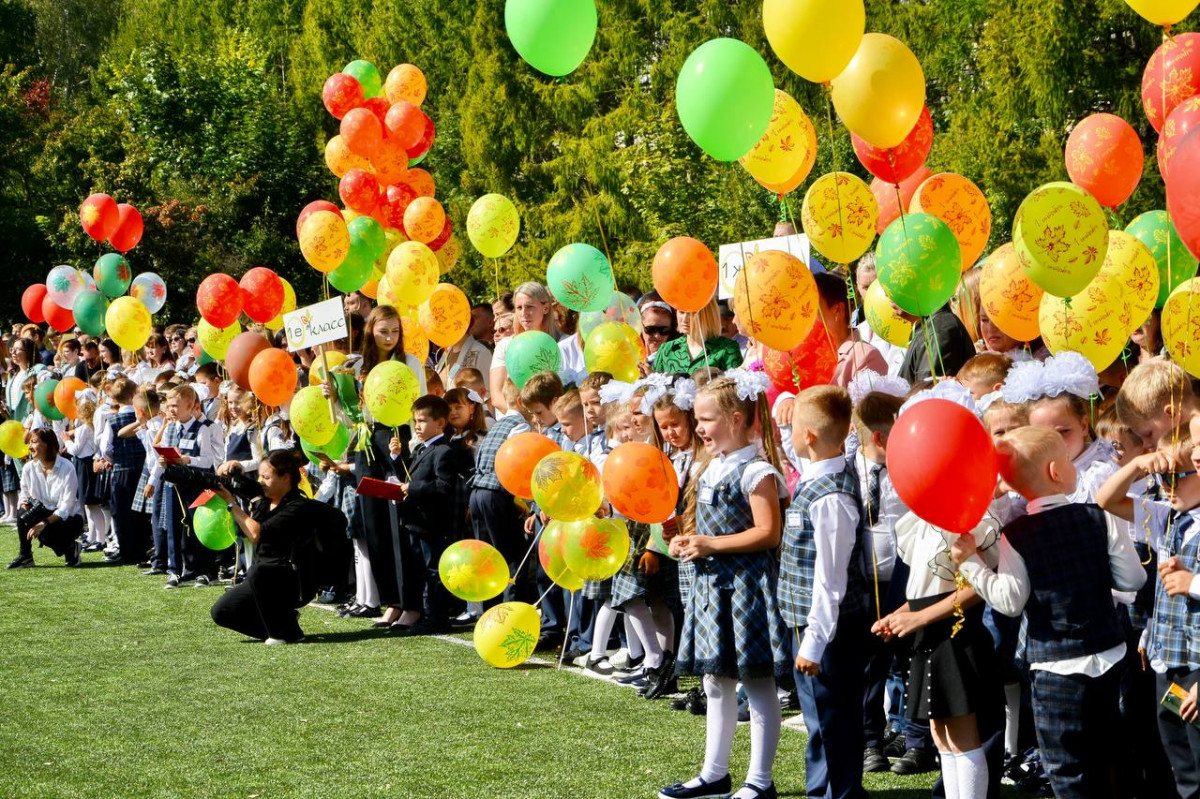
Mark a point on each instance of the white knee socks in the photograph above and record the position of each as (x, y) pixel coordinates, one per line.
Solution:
(720, 725)
(1012, 717)
(965, 776)
(632, 642)
(365, 591)
(640, 618)
(766, 719)
(949, 773)
(664, 625)
(606, 617)
(97, 529)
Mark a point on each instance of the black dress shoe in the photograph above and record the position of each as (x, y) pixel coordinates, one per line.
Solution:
(873, 760)
(894, 745)
(21, 562)
(916, 761)
(698, 705)
(657, 679)
(705, 790)
(790, 701)
(425, 626)
(74, 553)
(364, 612)
(681, 702)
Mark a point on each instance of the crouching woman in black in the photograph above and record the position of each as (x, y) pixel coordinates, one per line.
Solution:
(265, 604)
(49, 502)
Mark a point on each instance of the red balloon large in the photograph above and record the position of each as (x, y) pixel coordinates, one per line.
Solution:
(406, 124)
(889, 203)
(1183, 191)
(1180, 123)
(942, 464)
(99, 216)
(31, 303)
(219, 299)
(341, 93)
(241, 354)
(58, 318)
(425, 142)
(1172, 75)
(1104, 156)
(362, 131)
(129, 228)
(894, 164)
(262, 294)
(810, 363)
(359, 190)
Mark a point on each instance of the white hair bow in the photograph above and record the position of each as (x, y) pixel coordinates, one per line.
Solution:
(685, 393)
(868, 380)
(1069, 373)
(750, 385)
(654, 387)
(474, 397)
(946, 390)
(615, 391)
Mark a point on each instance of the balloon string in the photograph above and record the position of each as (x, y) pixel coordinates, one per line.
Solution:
(599, 224)
(837, 188)
(546, 594)
(512, 579)
(570, 614)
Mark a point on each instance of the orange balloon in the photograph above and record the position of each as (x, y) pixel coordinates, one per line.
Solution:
(1104, 156)
(340, 160)
(405, 82)
(421, 182)
(390, 163)
(64, 396)
(1009, 297)
(424, 219)
(889, 203)
(362, 131)
(273, 376)
(518, 457)
(961, 205)
(685, 274)
(640, 482)
(370, 289)
(775, 297)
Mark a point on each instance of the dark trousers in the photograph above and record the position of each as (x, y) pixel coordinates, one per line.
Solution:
(881, 655)
(184, 548)
(437, 599)
(163, 547)
(832, 706)
(60, 537)
(496, 520)
(1075, 716)
(263, 605)
(1146, 772)
(132, 529)
(1180, 739)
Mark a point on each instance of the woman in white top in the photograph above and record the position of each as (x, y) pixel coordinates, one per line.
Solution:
(49, 481)
(534, 311)
(24, 356)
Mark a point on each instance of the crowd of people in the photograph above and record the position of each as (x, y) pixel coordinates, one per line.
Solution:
(1033, 649)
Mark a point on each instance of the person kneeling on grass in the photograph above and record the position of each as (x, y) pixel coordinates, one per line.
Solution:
(49, 506)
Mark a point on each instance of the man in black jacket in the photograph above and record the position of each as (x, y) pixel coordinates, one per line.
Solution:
(940, 345)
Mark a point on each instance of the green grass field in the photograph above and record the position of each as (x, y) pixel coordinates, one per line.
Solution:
(114, 686)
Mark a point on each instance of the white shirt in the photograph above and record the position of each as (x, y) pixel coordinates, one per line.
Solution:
(83, 443)
(835, 522)
(571, 366)
(500, 352)
(57, 490)
(472, 354)
(1093, 467)
(255, 447)
(1007, 588)
(107, 434)
(722, 466)
(881, 559)
(926, 550)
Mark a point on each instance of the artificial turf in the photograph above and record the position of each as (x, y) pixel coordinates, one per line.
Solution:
(113, 686)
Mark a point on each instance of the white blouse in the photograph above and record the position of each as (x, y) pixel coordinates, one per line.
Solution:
(926, 550)
(57, 490)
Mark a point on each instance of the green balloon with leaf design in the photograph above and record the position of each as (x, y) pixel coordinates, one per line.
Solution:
(919, 263)
(581, 278)
(1175, 263)
(529, 353)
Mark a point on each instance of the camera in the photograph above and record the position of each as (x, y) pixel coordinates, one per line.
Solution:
(28, 518)
(238, 484)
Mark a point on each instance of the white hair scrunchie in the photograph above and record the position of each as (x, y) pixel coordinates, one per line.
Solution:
(615, 391)
(750, 385)
(685, 394)
(868, 381)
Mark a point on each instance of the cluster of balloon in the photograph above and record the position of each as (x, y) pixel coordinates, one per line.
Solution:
(55, 399)
(775, 296)
(104, 219)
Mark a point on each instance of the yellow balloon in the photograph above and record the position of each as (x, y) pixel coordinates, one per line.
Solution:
(1180, 326)
(324, 240)
(289, 305)
(595, 549)
(1131, 268)
(881, 92)
(316, 375)
(1163, 12)
(1010, 298)
(128, 323)
(445, 316)
(473, 570)
(389, 391)
(788, 146)
(815, 38)
(416, 341)
(608, 349)
(12, 438)
(340, 159)
(493, 225)
(216, 340)
(775, 297)
(506, 635)
(567, 486)
(1061, 237)
(1088, 323)
(838, 216)
(449, 254)
(310, 416)
(550, 555)
(412, 272)
(883, 318)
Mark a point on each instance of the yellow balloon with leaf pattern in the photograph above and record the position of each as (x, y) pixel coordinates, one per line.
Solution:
(883, 318)
(567, 486)
(613, 347)
(1181, 325)
(1088, 323)
(506, 635)
(838, 216)
(788, 147)
(473, 570)
(1130, 266)
(216, 340)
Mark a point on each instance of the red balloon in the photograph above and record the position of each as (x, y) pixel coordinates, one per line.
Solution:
(405, 123)
(58, 318)
(942, 464)
(1183, 191)
(889, 203)
(894, 164)
(399, 195)
(425, 143)
(241, 353)
(1104, 156)
(262, 294)
(273, 376)
(379, 107)
(31, 303)
(443, 237)
(99, 216)
(359, 190)
(219, 299)
(362, 131)
(129, 229)
(1183, 119)
(341, 94)
(316, 205)
(1172, 75)
(810, 363)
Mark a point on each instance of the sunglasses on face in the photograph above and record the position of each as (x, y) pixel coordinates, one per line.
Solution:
(657, 330)
(191, 341)
(176, 338)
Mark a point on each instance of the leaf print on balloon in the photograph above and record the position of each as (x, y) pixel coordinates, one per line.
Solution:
(595, 543)
(581, 292)
(1054, 241)
(1065, 324)
(517, 645)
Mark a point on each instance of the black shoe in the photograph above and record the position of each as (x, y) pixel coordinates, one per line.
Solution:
(873, 760)
(21, 562)
(549, 640)
(915, 761)
(681, 702)
(698, 705)
(97, 547)
(761, 793)
(225, 573)
(172, 581)
(344, 610)
(154, 571)
(717, 789)
(658, 678)
(791, 701)
(202, 581)
(634, 678)
(894, 745)
(114, 558)
(463, 622)
(1013, 770)
(425, 626)
(364, 612)
(73, 554)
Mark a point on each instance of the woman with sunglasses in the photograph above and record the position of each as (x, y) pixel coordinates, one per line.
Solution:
(701, 346)
(658, 323)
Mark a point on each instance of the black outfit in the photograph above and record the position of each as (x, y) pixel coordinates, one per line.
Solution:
(60, 536)
(396, 566)
(128, 455)
(84, 372)
(951, 345)
(427, 516)
(264, 605)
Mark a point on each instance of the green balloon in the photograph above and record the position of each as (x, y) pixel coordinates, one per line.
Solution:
(919, 263)
(1175, 263)
(356, 269)
(112, 275)
(367, 76)
(214, 526)
(553, 36)
(371, 232)
(580, 277)
(417, 161)
(43, 397)
(529, 353)
(725, 98)
(335, 448)
(90, 308)
(205, 358)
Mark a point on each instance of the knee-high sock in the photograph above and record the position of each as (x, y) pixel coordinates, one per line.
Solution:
(972, 775)
(639, 617)
(632, 642)
(97, 528)
(664, 625)
(10, 504)
(766, 719)
(1012, 717)
(720, 725)
(949, 773)
(606, 617)
(365, 591)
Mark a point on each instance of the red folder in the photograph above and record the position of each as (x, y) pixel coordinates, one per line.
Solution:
(379, 489)
(203, 499)
(170, 454)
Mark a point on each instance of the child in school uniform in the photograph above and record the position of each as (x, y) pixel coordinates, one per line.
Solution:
(1157, 399)
(471, 379)
(1059, 563)
(81, 443)
(127, 456)
(732, 629)
(467, 423)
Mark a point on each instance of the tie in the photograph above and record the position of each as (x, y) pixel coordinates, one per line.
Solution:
(418, 449)
(874, 480)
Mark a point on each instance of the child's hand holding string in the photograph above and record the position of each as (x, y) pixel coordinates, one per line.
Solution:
(963, 548)
(1176, 579)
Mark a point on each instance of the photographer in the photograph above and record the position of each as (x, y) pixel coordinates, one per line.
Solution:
(264, 605)
(49, 509)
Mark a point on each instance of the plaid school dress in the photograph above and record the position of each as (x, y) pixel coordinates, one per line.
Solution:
(1175, 625)
(731, 622)
(630, 583)
(140, 503)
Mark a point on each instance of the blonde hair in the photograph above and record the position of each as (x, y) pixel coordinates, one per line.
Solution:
(966, 303)
(182, 392)
(1023, 455)
(470, 377)
(1151, 387)
(569, 404)
(536, 291)
(999, 406)
(827, 410)
(705, 323)
(84, 412)
(989, 367)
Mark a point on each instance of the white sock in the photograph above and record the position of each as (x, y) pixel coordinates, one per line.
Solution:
(1012, 717)
(664, 625)
(972, 775)
(97, 529)
(640, 619)
(766, 720)
(606, 617)
(632, 642)
(720, 725)
(10, 504)
(949, 774)
(365, 591)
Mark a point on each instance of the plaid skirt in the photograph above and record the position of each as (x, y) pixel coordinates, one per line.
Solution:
(599, 590)
(9, 478)
(631, 583)
(140, 503)
(687, 578)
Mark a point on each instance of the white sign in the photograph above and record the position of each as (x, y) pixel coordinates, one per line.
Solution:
(732, 256)
(315, 324)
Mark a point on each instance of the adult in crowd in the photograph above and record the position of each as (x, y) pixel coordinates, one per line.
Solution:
(89, 361)
(469, 352)
(49, 502)
(731, 329)
(940, 345)
(357, 304)
(483, 319)
(864, 276)
(659, 323)
(110, 353)
(43, 355)
(22, 362)
(533, 310)
(503, 327)
(700, 346)
(853, 355)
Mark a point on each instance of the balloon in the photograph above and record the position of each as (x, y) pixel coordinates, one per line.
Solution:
(273, 376)
(406, 83)
(449, 254)
(1089, 323)
(894, 164)
(31, 303)
(63, 283)
(324, 240)
(56, 316)
(312, 208)
(595, 549)
(1172, 75)
(64, 395)
(340, 159)
(566, 486)
(1175, 263)
(961, 205)
(613, 347)
(336, 447)
(553, 36)
(219, 299)
(12, 439)
(892, 200)
(883, 318)
(1104, 156)
(881, 93)
(316, 375)
(311, 417)
(43, 397)
(128, 323)
(129, 228)
(1180, 327)
(1183, 119)
(788, 147)
(240, 354)
(1061, 236)
(580, 277)
(367, 76)
(214, 526)
(341, 93)
(1163, 12)
(506, 635)
(216, 340)
(685, 273)
(359, 190)
(493, 225)
(640, 482)
(99, 216)
(473, 570)
(518, 457)
(811, 363)
(775, 297)
(620, 309)
(838, 215)
(445, 316)
(529, 353)
(417, 153)
(150, 290)
(443, 236)
(550, 555)
(918, 262)
(90, 310)
(421, 183)
(262, 293)
(370, 232)
(424, 219)
(815, 38)
(289, 305)
(1010, 298)
(405, 123)
(412, 272)
(1131, 265)
(389, 392)
(725, 97)
(1183, 191)
(112, 274)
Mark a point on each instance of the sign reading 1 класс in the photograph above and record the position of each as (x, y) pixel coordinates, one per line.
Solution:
(315, 324)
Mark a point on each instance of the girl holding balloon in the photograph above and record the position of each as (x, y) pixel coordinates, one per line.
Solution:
(534, 310)
(24, 356)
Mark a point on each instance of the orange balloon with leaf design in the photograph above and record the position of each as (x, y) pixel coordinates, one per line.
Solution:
(1104, 155)
(1009, 297)
(640, 482)
(775, 297)
(962, 206)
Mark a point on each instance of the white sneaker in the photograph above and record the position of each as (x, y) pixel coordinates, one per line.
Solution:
(275, 641)
(620, 659)
(8, 520)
